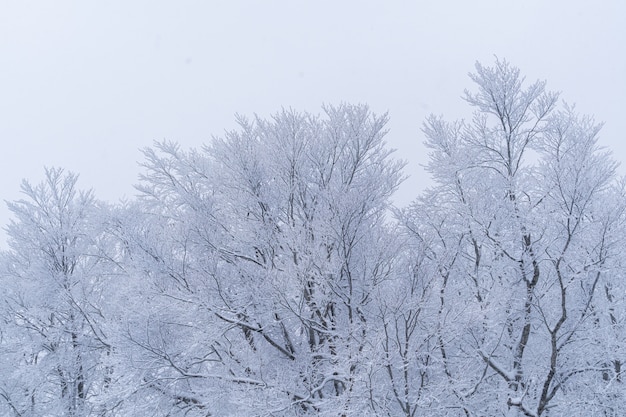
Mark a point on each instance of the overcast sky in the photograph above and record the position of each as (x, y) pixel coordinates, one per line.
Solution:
(85, 84)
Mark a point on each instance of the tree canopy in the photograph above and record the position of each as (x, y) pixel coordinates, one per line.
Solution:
(269, 274)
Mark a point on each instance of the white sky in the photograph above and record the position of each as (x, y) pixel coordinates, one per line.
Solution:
(85, 84)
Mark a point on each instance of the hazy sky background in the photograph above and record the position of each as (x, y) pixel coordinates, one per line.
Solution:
(85, 84)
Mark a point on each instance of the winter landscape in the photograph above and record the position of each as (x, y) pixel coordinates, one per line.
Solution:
(268, 274)
(274, 270)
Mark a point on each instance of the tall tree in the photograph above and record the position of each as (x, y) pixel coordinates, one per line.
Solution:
(528, 221)
(53, 279)
(275, 248)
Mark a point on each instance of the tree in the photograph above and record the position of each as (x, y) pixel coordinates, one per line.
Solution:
(53, 281)
(274, 251)
(528, 222)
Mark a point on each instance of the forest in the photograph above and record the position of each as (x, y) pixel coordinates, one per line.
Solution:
(269, 273)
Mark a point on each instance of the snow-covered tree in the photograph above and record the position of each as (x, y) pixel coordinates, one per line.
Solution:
(268, 248)
(524, 227)
(54, 343)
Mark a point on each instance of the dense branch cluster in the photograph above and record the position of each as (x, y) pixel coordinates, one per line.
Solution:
(268, 274)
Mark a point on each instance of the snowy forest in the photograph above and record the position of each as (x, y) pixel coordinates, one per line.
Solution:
(269, 274)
